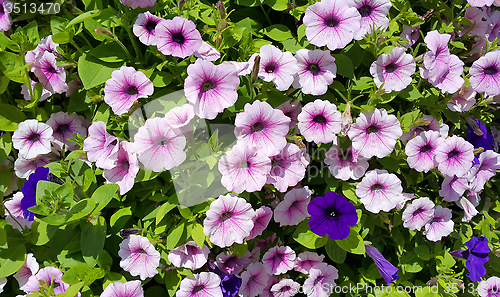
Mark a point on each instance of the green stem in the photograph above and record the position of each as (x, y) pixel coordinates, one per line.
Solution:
(265, 13)
(124, 49)
(134, 43)
(77, 47)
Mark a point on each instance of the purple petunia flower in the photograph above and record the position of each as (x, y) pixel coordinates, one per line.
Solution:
(451, 80)
(394, 70)
(139, 3)
(316, 72)
(287, 168)
(229, 284)
(379, 190)
(125, 86)
(5, 18)
(385, 268)
(436, 59)
(203, 284)
(291, 110)
(439, 225)
(32, 139)
(332, 214)
(418, 213)
(145, 28)
(476, 256)
(139, 257)
(345, 164)
(263, 127)
(211, 88)
(489, 287)
(52, 76)
(284, 288)
(479, 137)
(421, 151)
(373, 15)
(100, 146)
(307, 260)
(375, 133)
(231, 263)
(17, 219)
(178, 37)
(63, 126)
(485, 74)
(29, 191)
(454, 156)
(127, 289)
(332, 23)
(320, 121)
(276, 66)
(278, 260)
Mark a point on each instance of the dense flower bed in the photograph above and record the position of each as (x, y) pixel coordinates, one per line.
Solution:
(266, 148)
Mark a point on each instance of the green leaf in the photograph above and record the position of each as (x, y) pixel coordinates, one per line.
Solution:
(72, 290)
(83, 17)
(352, 244)
(172, 281)
(92, 239)
(62, 37)
(94, 72)
(278, 5)
(423, 252)
(102, 196)
(278, 32)
(344, 66)
(335, 252)
(240, 249)
(108, 52)
(120, 217)
(197, 234)
(161, 79)
(5, 178)
(307, 238)
(14, 67)
(12, 259)
(174, 235)
(76, 274)
(80, 210)
(41, 232)
(5, 147)
(12, 113)
(164, 209)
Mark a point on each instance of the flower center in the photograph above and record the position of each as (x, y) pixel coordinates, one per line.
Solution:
(178, 38)
(131, 90)
(51, 69)
(313, 68)
(318, 279)
(493, 291)
(453, 154)
(2, 11)
(112, 144)
(162, 141)
(125, 164)
(285, 289)
(63, 128)
(243, 164)
(377, 188)
(331, 22)
(490, 70)
(34, 137)
(150, 25)
(32, 75)
(208, 85)
(141, 251)
(198, 288)
(271, 67)
(425, 148)
(259, 126)
(275, 162)
(372, 129)
(365, 10)
(436, 220)
(192, 250)
(333, 213)
(226, 216)
(347, 156)
(320, 119)
(418, 211)
(391, 68)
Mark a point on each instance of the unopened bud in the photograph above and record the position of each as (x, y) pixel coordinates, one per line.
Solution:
(381, 39)
(346, 119)
(478, 150)
(221, 9)
(127, 232)
(105, 32)
(67, 65)
(222, 25)
(96, 99)
(475, 127)
(255, 69)
(181, 4)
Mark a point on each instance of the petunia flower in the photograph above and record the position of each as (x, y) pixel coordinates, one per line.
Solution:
(291, 110)
(211, 88)
(437, 58)
(32, 138)
(139, 257)
(345, 164)
(373, 15)
(127, 289)
(207, 52)
(320, 275)
(231, 263)
(178, 37)
(145, 28)
(489, 163)
(485, 74)
(332, 23)
(379, 190)
(26, 92)
(462, 100)
(138, 3)
(375, 133)
(51, 75)
(228, 220)
(261, 219)
(47, 277)
(307, 260)
(476, 256)
(489, 287)
(285, 288)
(278, 260)
(254, 280)
(189, 255)
(421, 151)
(468, 204)
(479, 137)
(100, 146)
(385, 268)
(440, 225)
(394, 70)
(293, 209)
(230, 283)
(203, 284)
(453, 188)
(412, 34)
(320, 121)
(29, 268)
(63, 126)
(454, 156)
(29, 191)
(332, 214)
(287, 168)
(14, 207)
(418, 213)
(426, 123)
(451, 80)
(5, 18)
(125, 168)
(316, 72)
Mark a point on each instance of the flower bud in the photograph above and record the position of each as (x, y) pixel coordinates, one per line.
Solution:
(255, 69)
(105, 32)
(222, 25)
(221, 9)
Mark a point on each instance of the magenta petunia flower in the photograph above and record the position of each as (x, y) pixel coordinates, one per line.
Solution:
(375, 133)
(47, 276)
(32, 138)
(332, 23)
(287, 168)
(5, 18)
(462, 100)
(485, 74)
(285, 288)
(345, 164)
(440, 224)
(145, 28)
(453, 188)
(211, 88)
(127, 289)
(379, 190)
(394, 70)
(412, 34)
(139, 3)
(421, 151)
(125, 168)
(436, 59)
(52, 76)
(307, 260)
(320, 121)
(489, 163)
(373, 15)
(100, 146)
(480, 23)
(228, 220)
(454, 156)
(316, 72)
(178, 37)
(125, 86)
(261, 219)
(45, 44)
(180, 116)
(231, 263)
(293, 209)
(291, 110)
(242, 68)
(64, 125)
(489, 287)
(26, 93)
(204, 284)
(278, 260)
(254, 280)
(189, 255)
(320, 275)
(14, 206)
(159, 146)
(263, 127)
(207, 52)
(451, 80)
(29, 268)
(418, 213)
(244, 169)
(24, 167)
(139, 256)
(276, 66)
